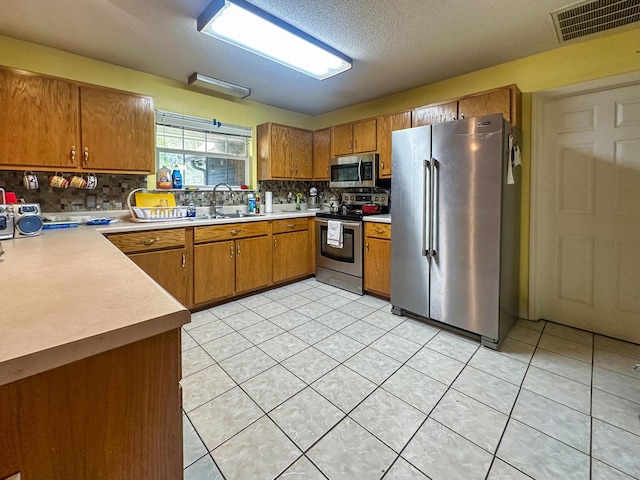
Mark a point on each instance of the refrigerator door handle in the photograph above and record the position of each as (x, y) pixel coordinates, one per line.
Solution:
(435, 187)
(426, 209)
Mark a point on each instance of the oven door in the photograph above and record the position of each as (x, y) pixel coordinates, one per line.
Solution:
(347, 259)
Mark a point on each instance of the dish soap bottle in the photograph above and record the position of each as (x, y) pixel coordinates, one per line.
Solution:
(163, 179)
(176, 178)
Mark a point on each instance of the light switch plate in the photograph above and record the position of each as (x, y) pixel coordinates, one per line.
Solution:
(90, 201)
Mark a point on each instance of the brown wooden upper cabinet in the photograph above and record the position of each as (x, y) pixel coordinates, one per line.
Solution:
(436, 113)
(321, 153)
(50, 123)
(38, 121)
(118, 130)
(386, 125)
(353, 138)
(506, 100)
(284, 152)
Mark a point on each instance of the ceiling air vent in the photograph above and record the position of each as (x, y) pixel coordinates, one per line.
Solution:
(587, 18)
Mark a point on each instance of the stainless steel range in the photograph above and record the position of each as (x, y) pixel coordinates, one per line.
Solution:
(341, 265)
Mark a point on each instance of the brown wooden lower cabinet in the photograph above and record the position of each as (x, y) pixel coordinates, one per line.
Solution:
(169, 268)
(290, 255)
(114, 415)
(208, 264)
(163, 255)
(253, 264)
(214, 271)
(227, 268)
(377, 258)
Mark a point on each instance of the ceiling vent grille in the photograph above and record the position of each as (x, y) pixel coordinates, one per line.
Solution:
(587, 18)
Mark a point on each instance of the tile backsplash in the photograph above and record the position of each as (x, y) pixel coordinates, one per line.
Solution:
(112, 191)
(282, 188)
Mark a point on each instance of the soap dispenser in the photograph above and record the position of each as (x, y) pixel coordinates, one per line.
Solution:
(176, 178)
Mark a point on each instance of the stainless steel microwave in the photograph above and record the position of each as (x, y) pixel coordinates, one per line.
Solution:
(355, 171)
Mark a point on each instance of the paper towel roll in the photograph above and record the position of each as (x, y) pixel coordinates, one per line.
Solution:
(268, 202)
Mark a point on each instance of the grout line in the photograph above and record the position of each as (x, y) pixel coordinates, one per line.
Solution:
(380, 385)
(593, 357)
(513, 406)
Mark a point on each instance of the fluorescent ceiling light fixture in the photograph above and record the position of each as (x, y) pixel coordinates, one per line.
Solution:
(246, 26)
(198, 80)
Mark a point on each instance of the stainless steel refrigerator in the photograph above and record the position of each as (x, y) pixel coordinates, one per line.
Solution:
(456, 225)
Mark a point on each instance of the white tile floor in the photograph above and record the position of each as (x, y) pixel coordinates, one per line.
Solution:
(308, 381)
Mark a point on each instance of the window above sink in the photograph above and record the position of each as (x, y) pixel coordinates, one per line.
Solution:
(207, 152)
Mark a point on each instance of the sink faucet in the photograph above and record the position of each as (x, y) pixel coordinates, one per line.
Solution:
(214, 206)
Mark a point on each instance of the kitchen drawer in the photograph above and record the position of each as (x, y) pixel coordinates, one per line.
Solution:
(230, 231)
(147, 241)
(377, 230)
(290, 225)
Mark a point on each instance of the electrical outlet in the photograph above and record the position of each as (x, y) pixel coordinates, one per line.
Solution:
(90, 201)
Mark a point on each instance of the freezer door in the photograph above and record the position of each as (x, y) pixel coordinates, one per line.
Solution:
(465, 268)
(411, 151)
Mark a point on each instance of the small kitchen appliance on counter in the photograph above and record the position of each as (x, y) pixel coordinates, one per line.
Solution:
(27, 219)
(6, 222)
(6, 217)
(342, 265)
(314, 202)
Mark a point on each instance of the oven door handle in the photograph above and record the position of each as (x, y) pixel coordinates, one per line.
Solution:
(344, 224)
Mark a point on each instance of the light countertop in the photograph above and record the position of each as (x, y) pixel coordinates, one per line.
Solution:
(70, 294)
(383, 218)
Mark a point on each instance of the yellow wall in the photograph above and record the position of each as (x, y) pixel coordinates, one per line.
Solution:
(168, 94)
(571, 64)
(576, 63)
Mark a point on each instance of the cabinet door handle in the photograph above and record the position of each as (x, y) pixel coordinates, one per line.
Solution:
(350, 147)
(275, 243)
(184, 260)
(149, 241)
(86, 156)
(234, 231)
(379, 232)
(73, 154)
(238, 249)
(291, 225)
(231, 251)
(382, 165)
(367, 246)
(355, 145)
(462, 116)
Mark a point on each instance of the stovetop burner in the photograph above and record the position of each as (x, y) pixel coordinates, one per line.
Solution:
(351, 206)
(349, 215)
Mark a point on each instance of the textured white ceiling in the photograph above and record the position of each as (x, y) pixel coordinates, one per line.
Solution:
(396, 45)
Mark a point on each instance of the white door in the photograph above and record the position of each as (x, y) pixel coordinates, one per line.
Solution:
(589, 236)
